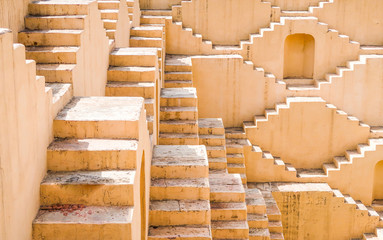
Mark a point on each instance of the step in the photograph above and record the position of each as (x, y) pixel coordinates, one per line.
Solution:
(143, 57)
(154, 19)
(51, 55)
(111, 33)
(58, 8)
(147, 31)
(276, 236)
(62, 93)
(178, 113)
(377, 205)
(90, 222)
(178, 63)
(109, 14)
(235, 158)
(74, 22)
(101, 188)
(376, 50)
(56, 73)
(178, 83)
(236, 168)
(179, 212)
(178, 97)
(259, 234)
(217, 163)
(179, 162)
(236, 145)
(108, 4)
(275, 227)
(237, 133)
(226, 188)
(131, 89)
(156, 12)
(255, 201)
(100, 117)
(179, 126)
(178, 139)
(192, 232)
(180, 189)
(273, 212)
(212, 140)
(146, 42)
(216, 151)
(109, 24)
(230, 229)
(228, 211)
(50, 37)
(91, 154)
(132, 74)
(311, 173)
(178, 76)
(213, 126)
(257, 220)
(295, 13)
(298, 81)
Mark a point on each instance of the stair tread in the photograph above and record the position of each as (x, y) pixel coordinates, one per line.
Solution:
(180, 182)
(229, 224)
(93, 145)
(179, 155)
(210, 123)
(109, 177)
(132, 68)
(54, 49)
(134, 51)
(228, 205)
(58, 89)
(71, 31)
(88, 215)
(201, 232)
(179, 109)
(187, 92)
(55, 67)
(179, 205)
(130, 84)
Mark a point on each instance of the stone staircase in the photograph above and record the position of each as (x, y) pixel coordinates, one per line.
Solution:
(92, 170)
(210, 132)
(109, 15)
(179, 196)
(134, 72)
(178, 71)
(228, 207)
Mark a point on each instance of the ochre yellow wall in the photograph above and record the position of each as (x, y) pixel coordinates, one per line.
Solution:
(226, 22)
(26, 130)
(12, 14)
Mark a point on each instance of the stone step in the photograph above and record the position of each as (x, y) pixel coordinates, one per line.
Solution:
(299, 82)
(273, 212)
(110, 33)
(110, 24)
(237, 133)
(56, 73)
(62, 93)
(147, 31)
(179, 162)
(217, 163)
(74, 22)
(90, 222)
(179, 212)
(178, 139)
(150, 124)
(259, 234)
(109, 14)
(178, 113)
(212, 140)
(257, 220)
(101, 188)
(130, 3)
(192, 232)
(153, 19)
(132, 74)
(216, 151)
(275, 227)
(178, 76)
(230, 229)
(178, 83)
(311, 173)
(179, 189)
(236, 145)
(131, 89)
(255, 201)
(50, 37)
(236, 168)
(51, 55)
(91, 154)
(96, 117)
(145, 42)
(178, 63)
(57, 8)
(228, 211)
(376, 50)
(108, 4)
(156, 12)
(178, 97)
(226, 188)
(236, 158)
(285, 13)
(142, 57)
(276, 236)
(377, 205)
(179, 126)
(212, 126)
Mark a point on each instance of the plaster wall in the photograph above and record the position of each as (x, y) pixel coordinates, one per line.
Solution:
(225, 22)
(310, 211)
(345, 15)
(12, 15)
(26, 130)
